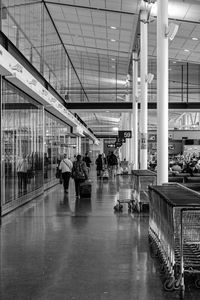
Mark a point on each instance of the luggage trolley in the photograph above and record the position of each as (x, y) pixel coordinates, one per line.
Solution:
(174, 233)
(141, 179)
(124, 185)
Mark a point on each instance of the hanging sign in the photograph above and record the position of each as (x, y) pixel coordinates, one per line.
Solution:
(127, 134)
(120, 140)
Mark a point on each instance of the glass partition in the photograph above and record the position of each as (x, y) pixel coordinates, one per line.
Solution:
(22, 144)
(56, 144)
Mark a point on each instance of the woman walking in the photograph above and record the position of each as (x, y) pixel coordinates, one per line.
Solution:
(79, 173)
(66, 169)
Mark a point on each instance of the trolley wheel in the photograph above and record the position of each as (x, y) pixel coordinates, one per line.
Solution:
(197, 283)
(177, 283)
(182, 293)
(169, 284)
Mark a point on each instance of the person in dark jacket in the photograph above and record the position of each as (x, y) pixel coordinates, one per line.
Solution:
(79, 173)
(87, 160)
(112, 164)
(99, 164)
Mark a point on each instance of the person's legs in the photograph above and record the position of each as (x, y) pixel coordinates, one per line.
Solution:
(76, 187)
(64, 180)
(68, 175)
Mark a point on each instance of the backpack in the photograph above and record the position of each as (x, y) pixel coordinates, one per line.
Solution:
(78, 172)
(112, 160)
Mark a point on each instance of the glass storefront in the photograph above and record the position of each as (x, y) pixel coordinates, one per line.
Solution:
(55, 145)
(22, 144)
(33, 143)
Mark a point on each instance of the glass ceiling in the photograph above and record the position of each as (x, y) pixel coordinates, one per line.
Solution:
(84, 48)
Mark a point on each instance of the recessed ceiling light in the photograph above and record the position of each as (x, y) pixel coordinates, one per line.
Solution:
(195, 39)
(112, 40)
(113, 27)
(186, 50)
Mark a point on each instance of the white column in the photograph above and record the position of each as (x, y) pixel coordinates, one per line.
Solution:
(143, 72)
(135, 110)
(129, 140)
(78, 145)
(162, 92)
(127, 124)
(125, 144)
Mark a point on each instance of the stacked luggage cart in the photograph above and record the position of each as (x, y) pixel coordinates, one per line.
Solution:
(142, 179)
(174, 232)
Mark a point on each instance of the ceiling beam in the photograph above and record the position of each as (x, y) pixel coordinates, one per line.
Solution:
(123, 106)
(92, 8)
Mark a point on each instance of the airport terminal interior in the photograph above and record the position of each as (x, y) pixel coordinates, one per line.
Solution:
(112, 88)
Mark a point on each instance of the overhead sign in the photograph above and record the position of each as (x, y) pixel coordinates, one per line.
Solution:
(120, 140)
(127, 134)
(118, 144)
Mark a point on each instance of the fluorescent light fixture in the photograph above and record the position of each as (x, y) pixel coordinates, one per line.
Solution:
(186, 50)
(171, 31)
(115, 129)
(195, 39)
(113, 40)
(113, 27)
(112, 58)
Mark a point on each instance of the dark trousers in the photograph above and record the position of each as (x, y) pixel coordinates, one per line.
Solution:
(77, 186)
(22, 180)
(66, 178)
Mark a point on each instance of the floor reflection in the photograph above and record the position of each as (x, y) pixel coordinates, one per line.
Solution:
(59, 247)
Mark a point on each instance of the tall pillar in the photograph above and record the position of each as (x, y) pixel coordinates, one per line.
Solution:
(143, 72)
(135, 110)
(162, 92)
(78, 142)
(129, 140)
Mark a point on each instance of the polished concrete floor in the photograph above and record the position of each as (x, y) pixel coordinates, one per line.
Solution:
(60, 248)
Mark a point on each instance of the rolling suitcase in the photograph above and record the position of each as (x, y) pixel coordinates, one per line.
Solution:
(85, 189)
(105, 174)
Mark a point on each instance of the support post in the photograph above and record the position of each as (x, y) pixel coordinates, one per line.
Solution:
(143, 71)
(135, 109)
(162, 92)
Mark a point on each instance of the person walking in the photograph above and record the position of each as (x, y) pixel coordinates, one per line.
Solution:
(79, 173)
(87, 160)
(66, 169)
(112, 164)
(22, 169)
(99, 164)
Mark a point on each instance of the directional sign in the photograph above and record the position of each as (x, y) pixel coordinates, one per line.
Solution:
(118, 144)
(127, 134)
(120, 140)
